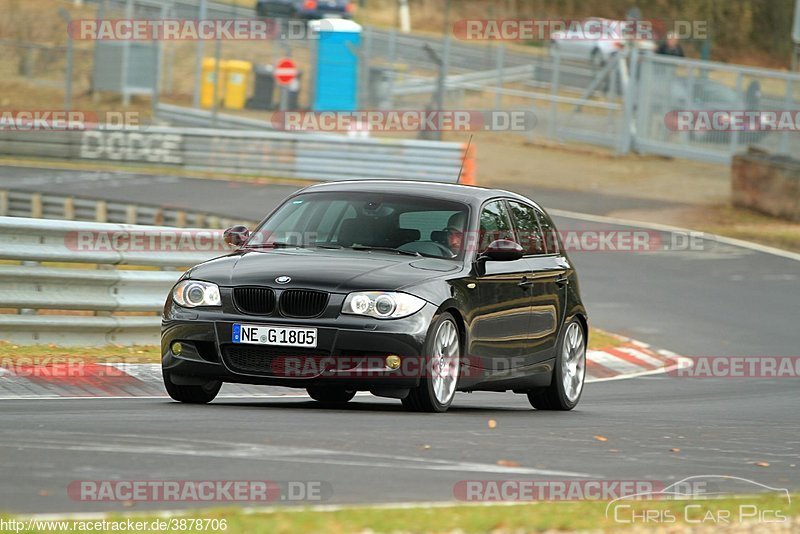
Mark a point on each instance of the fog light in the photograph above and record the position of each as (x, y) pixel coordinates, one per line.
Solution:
(177, 348)
(393, 362)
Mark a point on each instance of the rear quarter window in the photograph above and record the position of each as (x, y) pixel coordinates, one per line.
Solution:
(551, 239)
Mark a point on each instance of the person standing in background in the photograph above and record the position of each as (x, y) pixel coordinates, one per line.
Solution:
(671, 47)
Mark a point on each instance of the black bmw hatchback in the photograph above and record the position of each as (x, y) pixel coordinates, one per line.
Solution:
(408, 290)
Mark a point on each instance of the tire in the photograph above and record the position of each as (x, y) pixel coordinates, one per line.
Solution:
(192, 394)
(439, 380)
(571, 359)
(330, 395)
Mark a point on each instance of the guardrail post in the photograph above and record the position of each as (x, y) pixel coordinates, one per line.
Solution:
(213, 222)
(158, 217)
(132, 214)
(36, 206)
(69, 209)
(3, 203)
(101, 211)
(180, 219)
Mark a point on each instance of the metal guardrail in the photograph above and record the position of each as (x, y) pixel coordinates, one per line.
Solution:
(85, 306)
(471, 80)
(277, 154)
(49, 206)
(198, 118)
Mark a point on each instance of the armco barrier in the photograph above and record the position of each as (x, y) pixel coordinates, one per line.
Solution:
(277, 154)
(87, 306)
(14, 203)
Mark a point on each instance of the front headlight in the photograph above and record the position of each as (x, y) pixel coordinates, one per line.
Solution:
(194, 293)
(382, 305)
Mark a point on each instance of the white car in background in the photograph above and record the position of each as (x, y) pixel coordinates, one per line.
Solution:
(579, 41)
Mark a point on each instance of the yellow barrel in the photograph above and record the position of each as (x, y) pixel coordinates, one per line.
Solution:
(237, 81)
(207, 82)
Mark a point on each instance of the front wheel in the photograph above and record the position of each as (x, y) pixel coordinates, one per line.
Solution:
(565, 390)
(442, 360)
(330, 395)
(202, 394)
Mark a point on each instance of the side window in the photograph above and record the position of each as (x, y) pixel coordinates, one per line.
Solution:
(494, 224)
(528, 231)
(549, 231)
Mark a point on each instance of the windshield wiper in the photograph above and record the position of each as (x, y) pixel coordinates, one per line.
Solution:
(271, 245)
(387, 249)
(289, 245)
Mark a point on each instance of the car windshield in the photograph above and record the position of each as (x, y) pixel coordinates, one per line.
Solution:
(367, 221)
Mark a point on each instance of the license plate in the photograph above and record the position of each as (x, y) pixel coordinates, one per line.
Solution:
(283, 336)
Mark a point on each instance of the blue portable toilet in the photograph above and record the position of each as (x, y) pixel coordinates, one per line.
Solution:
(336, 68)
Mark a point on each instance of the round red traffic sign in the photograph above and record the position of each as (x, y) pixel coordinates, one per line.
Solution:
(285, 71)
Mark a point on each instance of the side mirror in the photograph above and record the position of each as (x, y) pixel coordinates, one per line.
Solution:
(503, 250)
(236, 235)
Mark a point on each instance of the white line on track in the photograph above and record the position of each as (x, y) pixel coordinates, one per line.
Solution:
(676, 229)
(252, 452)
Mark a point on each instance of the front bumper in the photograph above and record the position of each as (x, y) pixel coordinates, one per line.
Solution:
(350, 351)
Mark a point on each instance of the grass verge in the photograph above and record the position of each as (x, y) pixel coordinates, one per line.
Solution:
(40, 354)
(747, 225)
(528, 517)
(33, 354)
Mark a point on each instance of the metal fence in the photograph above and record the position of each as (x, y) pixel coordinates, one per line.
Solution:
(668, 85)
(14, 203)
(623, 106)
(102, 299)
(275, 154)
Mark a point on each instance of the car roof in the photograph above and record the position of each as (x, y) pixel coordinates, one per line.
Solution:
(467, 194)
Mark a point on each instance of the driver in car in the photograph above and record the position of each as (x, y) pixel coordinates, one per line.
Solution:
(455, 232)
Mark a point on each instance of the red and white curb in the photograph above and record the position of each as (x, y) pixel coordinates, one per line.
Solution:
(629, 359)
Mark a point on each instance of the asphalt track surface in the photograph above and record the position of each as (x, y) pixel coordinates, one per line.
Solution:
(722, 300)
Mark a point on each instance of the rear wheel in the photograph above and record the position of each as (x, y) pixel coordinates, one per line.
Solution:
(565, 389)
(200, 394)
(330, 395)
(437, 386)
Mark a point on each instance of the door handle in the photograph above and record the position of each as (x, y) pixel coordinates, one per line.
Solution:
(526, 283)
(561, 281)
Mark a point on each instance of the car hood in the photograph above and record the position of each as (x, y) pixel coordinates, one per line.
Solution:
(339, 271)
